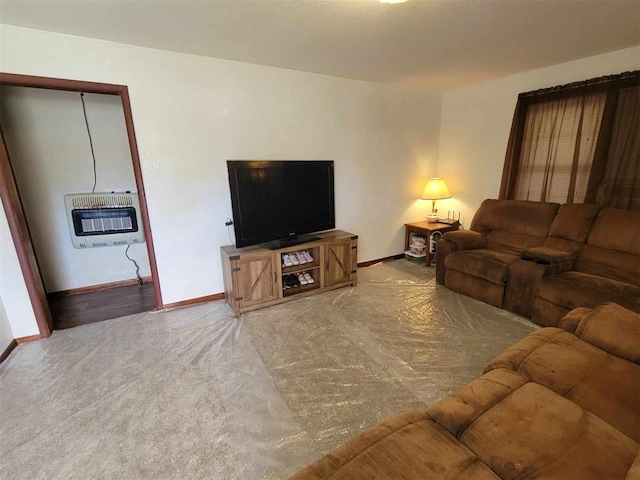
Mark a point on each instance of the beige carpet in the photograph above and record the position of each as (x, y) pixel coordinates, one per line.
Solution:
(195, 393)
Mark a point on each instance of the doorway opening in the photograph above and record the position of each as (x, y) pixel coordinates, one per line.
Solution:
(71, 297)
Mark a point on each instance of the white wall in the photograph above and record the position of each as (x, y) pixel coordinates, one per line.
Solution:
(6, 334)
(192, 113)
(476, 121)
(13, 290)
(49, 147)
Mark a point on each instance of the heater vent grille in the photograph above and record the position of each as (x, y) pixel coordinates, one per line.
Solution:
(103, 219)
(102, 200)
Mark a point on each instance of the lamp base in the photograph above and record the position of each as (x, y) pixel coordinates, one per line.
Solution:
(432, 218)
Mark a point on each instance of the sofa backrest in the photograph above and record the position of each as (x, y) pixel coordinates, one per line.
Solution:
(570, 227)
(513, 225)
(609, 327)
(613, 246)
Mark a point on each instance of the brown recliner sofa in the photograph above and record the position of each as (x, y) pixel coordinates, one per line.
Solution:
(476, 262)
(567, 236)
(588, 256)
(606, 269)
(562, 403)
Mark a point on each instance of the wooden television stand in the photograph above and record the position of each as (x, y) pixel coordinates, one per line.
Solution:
(254, 277)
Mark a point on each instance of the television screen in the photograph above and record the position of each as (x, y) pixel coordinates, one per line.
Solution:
(280, 200)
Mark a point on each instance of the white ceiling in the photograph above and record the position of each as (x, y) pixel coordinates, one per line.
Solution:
(438, 44)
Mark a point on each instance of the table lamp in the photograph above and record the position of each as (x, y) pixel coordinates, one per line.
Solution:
(435, 189)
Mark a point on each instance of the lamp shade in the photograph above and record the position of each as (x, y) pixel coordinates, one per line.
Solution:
(435, 189)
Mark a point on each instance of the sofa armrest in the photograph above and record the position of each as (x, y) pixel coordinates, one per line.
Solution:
(548, 256)
(443, 248)
(572, 319)
(452, 242)
(466, 239)
(512, 357)
(520, 291)
(524, 279)
(610, 327)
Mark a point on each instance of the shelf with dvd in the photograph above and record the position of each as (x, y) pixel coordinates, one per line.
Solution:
(257, 276)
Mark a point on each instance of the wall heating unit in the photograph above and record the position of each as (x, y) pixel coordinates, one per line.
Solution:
(103, 219)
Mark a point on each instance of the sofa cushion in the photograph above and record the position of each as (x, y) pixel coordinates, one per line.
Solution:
(613, 264)
(489, 265)
(570, 227)
(607, 231)
(602, 383)
(613, 246)
(534, 433)
(523, 430)
(513, 243)
(609, 327)
(572, 319)
(573, 222)
(458, 411)
(512, 225)
(576, 289)
(517, 216)
(407, 446)
(498, 426)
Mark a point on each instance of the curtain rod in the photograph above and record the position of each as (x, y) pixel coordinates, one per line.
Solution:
(594, 83)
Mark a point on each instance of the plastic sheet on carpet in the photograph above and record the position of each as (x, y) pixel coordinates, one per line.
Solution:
(195, 393)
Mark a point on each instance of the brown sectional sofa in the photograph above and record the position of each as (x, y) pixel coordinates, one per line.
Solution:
(587, 360)
(607, 268)
(566, 237)
(541, 259)
(476, 262)
(560, 404)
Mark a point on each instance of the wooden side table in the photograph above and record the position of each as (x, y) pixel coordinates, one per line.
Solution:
(425, 228)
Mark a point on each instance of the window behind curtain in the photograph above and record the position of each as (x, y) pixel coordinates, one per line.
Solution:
(577, 143)
(557, 149)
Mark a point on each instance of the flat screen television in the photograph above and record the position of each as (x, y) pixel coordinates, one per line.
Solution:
(279, 203)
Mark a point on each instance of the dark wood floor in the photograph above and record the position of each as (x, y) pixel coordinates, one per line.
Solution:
(71, 311)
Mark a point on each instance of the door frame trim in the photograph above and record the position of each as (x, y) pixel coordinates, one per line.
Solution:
(13, 206)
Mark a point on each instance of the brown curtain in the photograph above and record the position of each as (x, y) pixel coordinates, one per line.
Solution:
(576, 143)
(620, 185)
(511, 161)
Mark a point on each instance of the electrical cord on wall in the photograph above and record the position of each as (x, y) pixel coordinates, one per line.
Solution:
(93, 155)
(126, 254)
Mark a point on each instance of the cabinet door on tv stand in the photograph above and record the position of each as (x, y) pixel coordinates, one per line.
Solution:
(337, 257)
(257, 279)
